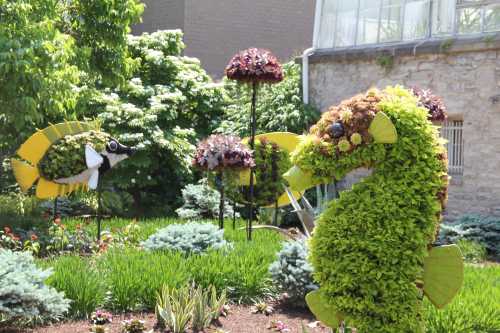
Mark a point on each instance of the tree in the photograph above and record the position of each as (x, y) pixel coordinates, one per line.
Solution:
(168, 104)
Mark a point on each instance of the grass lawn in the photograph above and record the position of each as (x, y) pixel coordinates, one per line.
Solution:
(126, 279)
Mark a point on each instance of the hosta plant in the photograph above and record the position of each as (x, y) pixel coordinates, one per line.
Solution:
(23, 293)
(189, 238)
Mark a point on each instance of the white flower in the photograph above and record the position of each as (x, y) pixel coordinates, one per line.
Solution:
(133, 180)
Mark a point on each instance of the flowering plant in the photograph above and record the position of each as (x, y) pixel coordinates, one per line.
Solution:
(434, 104)
(133, 326)
(8, 240)
(254, 65)
(101, 317)
(222, 151)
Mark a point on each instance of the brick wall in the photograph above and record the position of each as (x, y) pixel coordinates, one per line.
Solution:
(160, 15)
(467, 76)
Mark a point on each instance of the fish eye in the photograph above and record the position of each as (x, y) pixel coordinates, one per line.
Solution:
(113, 146)
(337, 130)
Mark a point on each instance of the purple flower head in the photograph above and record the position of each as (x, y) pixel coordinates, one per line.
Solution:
(254, 65)
(219, 152)
(434, 104)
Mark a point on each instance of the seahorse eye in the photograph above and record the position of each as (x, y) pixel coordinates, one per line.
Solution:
(336, 130)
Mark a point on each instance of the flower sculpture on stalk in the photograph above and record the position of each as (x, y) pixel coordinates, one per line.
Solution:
(254, 66)
(220, 153)
(433, 103)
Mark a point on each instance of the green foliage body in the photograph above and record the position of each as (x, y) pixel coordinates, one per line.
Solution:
(292, 272)
(162, 110)
(23, 293)
(369, 245)
(279, 108)
(66, 157)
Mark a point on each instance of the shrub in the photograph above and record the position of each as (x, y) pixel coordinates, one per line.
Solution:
(279, 109)
(23, 293)
(201, 202)
(292, 272)
(188, 238)
(477, 228)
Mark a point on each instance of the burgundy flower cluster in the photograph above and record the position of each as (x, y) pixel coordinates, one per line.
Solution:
(433, 103)
(255, 65)
(219, 152)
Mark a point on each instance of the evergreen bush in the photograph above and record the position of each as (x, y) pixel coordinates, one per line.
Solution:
(189, 238)
(292, 272)
(23, 293)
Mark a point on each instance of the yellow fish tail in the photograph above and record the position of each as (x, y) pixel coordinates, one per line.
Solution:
(26, 174)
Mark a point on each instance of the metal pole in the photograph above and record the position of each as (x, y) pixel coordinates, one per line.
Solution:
(55, 209)
(252, 146)
(221, 203)
(234, 215)
(99, 210)
(275, 217)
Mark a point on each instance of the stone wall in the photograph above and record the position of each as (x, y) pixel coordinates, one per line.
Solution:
(161, 15)
(466, 73)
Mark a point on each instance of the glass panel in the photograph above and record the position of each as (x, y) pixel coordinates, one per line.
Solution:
(443, 17)
(368, 21)
(346, 23)
(390, 21)
(327, 24)
(416, 19)
(469, 20)
(492, 18)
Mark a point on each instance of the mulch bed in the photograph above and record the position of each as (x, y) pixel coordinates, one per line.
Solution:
(239, 320)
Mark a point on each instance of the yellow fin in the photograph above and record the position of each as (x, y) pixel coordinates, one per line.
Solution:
(382, 129)
(245, 178)
(284, 199)
(285, 140)
(26, 174)
(34, 148)
(55, 132)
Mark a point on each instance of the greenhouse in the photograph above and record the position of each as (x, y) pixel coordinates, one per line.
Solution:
(361, 23)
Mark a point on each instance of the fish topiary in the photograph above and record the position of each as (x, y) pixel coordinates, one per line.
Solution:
(372, 249)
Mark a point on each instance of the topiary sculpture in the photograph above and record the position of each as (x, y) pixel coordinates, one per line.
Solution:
(372, 248)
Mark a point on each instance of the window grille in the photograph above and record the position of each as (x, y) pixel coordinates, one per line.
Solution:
(350, 23)
(452, 131)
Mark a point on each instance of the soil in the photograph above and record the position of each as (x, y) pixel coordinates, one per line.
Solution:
(239, 320)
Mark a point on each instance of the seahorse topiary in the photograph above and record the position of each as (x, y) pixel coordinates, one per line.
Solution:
(372, 248)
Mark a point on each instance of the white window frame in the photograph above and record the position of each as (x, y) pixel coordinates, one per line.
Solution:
(459, 5)
(452, 131)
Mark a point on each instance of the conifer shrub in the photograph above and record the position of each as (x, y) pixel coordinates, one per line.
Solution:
(23, 293)
(189, 238)
(292, 272)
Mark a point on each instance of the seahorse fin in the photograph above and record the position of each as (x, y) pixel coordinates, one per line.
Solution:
(245, 178)
(299, 180)
(323, 311)
(26, 174)
(382, 129)
(443, 274)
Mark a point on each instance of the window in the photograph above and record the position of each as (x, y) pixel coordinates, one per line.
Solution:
(452, 131)
(348, 23)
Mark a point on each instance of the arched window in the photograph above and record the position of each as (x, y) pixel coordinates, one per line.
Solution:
(351, 23)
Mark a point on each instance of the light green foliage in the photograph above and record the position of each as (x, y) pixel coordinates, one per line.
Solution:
(475, 309)
(47, 47)
(279, 107)
(292, 272)
(189, 238)
(207, 307)
(169, 102)
(23, 293)
(481, 229)
(473, 252)
(202, 202)
(36, 70)
(369, 245)
(174, 308)
(66, 157)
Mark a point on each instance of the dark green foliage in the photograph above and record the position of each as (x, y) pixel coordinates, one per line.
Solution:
(369, 245)
(279, 107)
(66, 157)
(271, 162)
(481, 229)
(162, 110)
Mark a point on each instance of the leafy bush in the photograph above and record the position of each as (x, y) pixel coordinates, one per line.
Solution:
(279, 108)
(476, 307)
(292, 272)
(169, 102)
(23, 293)
(187, 238)
(201, 202)
(477, 228)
